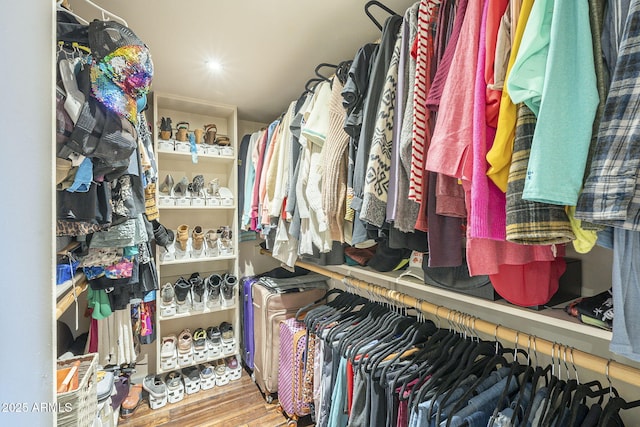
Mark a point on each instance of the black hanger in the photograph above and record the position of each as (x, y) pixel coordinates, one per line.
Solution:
(324, 65)
(610, 413)
(422, 332)
(307, 307)
(368, 5)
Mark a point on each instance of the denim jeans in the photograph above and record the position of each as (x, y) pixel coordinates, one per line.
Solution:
(484, 402)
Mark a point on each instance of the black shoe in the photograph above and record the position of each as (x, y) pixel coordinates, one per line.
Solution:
(182, 288)
(163, 236)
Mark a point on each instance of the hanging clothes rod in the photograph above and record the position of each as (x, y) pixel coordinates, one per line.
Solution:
(609, 368)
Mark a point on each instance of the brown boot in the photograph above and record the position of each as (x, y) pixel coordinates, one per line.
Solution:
(131, 402)
(183, 236)
(197, 237)
(199, 133)
(211, 130)
(182, 131)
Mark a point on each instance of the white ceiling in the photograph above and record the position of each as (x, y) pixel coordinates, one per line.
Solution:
(269, 49)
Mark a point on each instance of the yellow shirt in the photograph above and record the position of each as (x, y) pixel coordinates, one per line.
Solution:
(499, 156)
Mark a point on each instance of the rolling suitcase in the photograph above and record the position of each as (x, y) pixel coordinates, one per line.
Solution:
(275, 300)
(248, 344)
(293, 339)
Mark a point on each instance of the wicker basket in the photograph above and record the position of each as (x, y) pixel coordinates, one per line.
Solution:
(78, 407)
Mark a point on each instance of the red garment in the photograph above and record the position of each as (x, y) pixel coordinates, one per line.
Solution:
(494, 16)
(529, 284)
(349, 386)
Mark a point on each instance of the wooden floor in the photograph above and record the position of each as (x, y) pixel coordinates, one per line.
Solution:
(237, 404)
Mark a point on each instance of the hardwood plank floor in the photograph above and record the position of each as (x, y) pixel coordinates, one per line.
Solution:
(237, 404)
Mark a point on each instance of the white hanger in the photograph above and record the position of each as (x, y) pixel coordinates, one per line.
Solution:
(106, 13)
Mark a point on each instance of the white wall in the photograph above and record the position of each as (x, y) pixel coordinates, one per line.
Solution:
(26, 217)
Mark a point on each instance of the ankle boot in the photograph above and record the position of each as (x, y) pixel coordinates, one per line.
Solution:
(197, 238)
(163, 236)
(213, 248)
(182, 131)
(183, 236)
(199, 133)
(229, 283)
(213, 284)
(211, 130)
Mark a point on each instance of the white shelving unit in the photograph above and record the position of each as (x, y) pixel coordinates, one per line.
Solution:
(221, 165)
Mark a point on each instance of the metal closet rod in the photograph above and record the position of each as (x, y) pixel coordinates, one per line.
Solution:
(610, 368)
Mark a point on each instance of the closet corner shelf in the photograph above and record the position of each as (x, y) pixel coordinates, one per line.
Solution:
(198, 313)
(552, 317)
(208, 157)
(200, 259)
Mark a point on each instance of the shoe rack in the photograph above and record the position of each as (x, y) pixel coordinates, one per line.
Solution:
(201, 196)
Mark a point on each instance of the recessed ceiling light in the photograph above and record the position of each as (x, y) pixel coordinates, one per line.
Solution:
(214, 65)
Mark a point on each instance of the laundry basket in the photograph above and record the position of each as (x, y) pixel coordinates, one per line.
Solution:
(78, 407)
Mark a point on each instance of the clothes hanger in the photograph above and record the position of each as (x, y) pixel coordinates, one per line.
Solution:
(106, 14)
(325, 297)
(567, 394)
(368, 5)
(611, 413)
(323, 65)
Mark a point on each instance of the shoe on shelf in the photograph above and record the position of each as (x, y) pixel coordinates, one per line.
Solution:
(167, 295)
(182, 237)
(197, 291)
(227, 290)
(213, 244)
(165, 128)
(199, 135)
(213, 335)
(210, 132)
(200, 339)
(154, 385)
(181, 189)
(182, 289)
(214, 187)
(182, 130)
(220, 367)
(206, 371)
(132, 401)
(173, 380)
(196, 187)
(213, 283)
(226, 330)
(166, 187)
(232, 362)
(197, 239)
(164, 237)
(185, 341)
(168, 348)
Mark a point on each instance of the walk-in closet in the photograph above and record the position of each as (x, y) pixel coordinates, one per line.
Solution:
(336, 214)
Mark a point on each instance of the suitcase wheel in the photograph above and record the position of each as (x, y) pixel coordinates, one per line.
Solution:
(292, 423)
(268, 398)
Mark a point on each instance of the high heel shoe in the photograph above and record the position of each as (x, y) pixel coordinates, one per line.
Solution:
(181, 188)
(182, 237)
(167, 186)
(197, 186)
